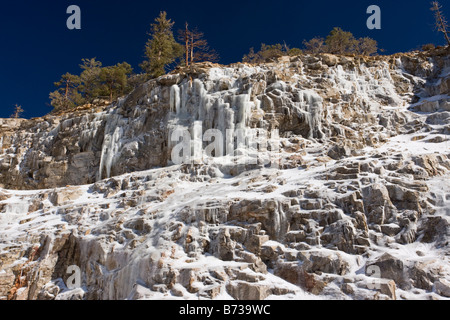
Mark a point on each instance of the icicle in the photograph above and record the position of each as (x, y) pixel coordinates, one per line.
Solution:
(184, 97)
(243, 106)
(111, 146)
(175, 103)
(201, 97)
(197, 141)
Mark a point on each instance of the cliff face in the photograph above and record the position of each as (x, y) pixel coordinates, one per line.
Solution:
(334, 99)
(355, 177)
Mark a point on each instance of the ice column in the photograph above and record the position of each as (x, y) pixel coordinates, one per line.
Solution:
(197, 141)
(175, 103)
(313, 105)
(111, 146)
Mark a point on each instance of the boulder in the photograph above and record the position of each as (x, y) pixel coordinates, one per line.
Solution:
(435, 228)
(388, 288)
(255, 242)
(445, 105)
(377, 204)
(439, 118)
(341, 235)
(329, 59)
(391, 229)
(404, 199)
(270, 213)
(428, 106)
(6, 282)
(442, 287)
(338, 152)
(324, 261)
(421, 277)
(391, 268)
(294, 273)
(270, 251)
(61, 196)
(430, 162)
(245, 291)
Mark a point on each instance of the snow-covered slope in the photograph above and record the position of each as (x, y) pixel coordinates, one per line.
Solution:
(348, 199)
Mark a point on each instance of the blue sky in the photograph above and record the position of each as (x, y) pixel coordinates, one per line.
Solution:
(37, 48)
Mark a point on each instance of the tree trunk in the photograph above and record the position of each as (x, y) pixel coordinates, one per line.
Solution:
(440, 21)
(444, 29)
(66, 96)
(67, 90)
(192, 48)
(186, 37)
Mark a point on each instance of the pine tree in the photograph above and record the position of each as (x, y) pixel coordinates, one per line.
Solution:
(90, 78)
(115, 80)
(341, 42)
(161, 49)
(67, 95)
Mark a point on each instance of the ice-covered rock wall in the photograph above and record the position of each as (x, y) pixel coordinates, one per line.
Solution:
(320, 98)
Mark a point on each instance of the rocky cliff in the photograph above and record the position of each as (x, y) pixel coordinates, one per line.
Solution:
(352, 203)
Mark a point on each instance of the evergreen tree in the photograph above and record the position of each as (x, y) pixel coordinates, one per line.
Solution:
(115, 80)
(341, 42)
(161, 49)
(90, 78)
(67, 95)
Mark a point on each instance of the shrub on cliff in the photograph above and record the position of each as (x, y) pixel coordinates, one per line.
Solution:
(340, 42)
(270, 52)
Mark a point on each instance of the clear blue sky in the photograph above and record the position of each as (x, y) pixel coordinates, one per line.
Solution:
(36, 47)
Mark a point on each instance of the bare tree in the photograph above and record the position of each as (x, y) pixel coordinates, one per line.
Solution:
(184, 36)
(315, 45)
(196, 46)
(18, 110)
(441, 22)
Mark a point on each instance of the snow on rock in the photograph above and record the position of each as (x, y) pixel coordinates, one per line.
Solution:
(349, 200)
